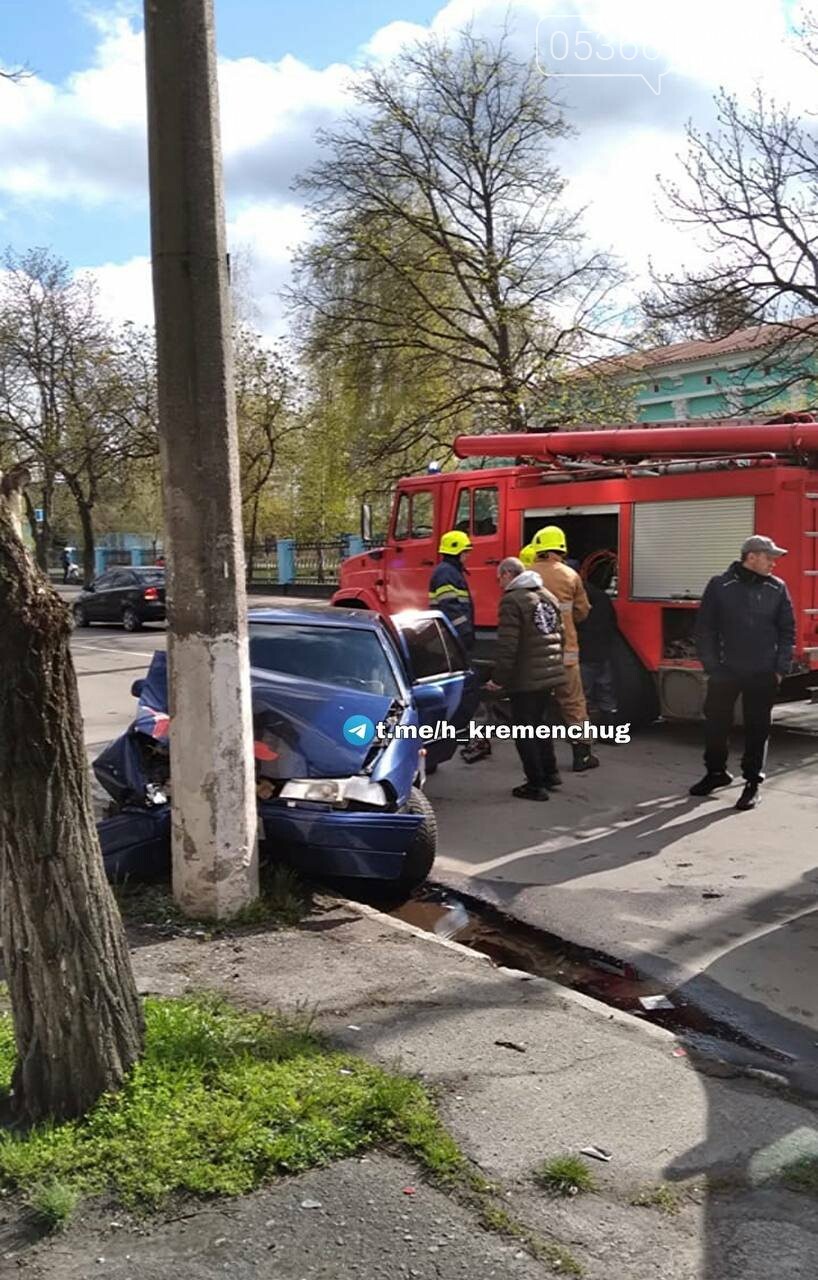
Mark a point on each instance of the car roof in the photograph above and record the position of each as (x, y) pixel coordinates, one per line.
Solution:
(319, 615)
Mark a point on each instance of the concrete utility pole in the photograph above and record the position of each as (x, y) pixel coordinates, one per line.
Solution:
(215, 865)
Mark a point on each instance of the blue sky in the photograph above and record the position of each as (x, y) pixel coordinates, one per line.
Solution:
(56, 38)
(73, 171)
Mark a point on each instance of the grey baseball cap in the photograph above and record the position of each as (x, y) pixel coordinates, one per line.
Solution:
(757, 543)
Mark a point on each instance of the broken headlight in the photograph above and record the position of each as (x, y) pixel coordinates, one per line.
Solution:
(335, 791)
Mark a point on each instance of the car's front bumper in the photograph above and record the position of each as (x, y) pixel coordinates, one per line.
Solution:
(337, 842)
(314, 840)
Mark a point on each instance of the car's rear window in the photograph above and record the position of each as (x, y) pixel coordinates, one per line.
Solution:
(152, 575)
(332, 655)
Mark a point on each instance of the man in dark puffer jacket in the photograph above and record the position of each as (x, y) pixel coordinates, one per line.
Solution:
(745, 635)
(528, 667)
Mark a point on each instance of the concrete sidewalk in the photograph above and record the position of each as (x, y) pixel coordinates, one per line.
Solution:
(718, 906)
(525, 1071)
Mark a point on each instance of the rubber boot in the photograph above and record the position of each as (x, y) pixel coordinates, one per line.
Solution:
(584, 759)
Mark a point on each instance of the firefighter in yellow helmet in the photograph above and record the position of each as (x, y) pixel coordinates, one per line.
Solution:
(528, 555)
(449, 592)
(565, 583)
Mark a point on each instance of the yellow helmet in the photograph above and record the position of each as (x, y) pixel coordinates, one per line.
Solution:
(528, 555)
(454, 543)
(550, 538)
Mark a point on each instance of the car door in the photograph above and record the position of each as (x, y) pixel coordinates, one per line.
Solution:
(477, 513)
(411, 550)
(121, 593)
(97, 601)
(434, 657)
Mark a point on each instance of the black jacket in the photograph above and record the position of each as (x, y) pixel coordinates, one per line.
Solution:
(528, 653)
(746, 624)
(449, 592)
(596, 633)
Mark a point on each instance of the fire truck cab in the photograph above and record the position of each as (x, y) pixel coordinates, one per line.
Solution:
(670, 505)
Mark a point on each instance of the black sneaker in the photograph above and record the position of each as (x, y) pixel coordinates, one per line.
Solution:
(475, 750)
(584, 759)
(749, 797)
(711, 782)
(527, 792)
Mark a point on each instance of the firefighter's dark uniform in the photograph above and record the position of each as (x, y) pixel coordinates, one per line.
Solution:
(449, 592)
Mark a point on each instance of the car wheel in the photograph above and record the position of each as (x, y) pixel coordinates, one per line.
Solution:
(637, 698)
(131, 620)
(80, 616)
(420, 855)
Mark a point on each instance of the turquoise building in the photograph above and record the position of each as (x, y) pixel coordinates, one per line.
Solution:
(753, 373)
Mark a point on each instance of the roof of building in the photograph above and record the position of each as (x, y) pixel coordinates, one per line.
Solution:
(757, 336)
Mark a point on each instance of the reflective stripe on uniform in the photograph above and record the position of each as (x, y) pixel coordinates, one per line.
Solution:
(448, 590)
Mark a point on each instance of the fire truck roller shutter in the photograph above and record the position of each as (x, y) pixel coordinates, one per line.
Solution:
(679, 545)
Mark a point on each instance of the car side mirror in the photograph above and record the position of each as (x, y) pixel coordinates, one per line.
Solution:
(429, 698)
(366, 522)
(137, 687)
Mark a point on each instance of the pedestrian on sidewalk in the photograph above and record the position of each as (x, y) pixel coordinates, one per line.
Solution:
(745, 636)
(449, 592)
(528, 667)
(65, 561)
(596, 636)
(566, 584)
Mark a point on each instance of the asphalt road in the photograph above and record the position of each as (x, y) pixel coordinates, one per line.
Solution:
(718, 905)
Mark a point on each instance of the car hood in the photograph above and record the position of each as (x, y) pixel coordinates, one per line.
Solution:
(297, 724)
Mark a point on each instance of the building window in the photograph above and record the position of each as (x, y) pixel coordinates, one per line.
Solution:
(656, 386)
(709, 379)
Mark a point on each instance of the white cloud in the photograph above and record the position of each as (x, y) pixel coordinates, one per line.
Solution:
(83, 142)
(124, 290)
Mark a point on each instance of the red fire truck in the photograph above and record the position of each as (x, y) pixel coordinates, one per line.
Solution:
(670, 505)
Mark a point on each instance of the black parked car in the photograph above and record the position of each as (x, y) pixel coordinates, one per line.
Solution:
(127, 596)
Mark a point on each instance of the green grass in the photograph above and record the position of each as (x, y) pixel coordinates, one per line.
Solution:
(497, 1219)
(661, 1197)
(282, 903)
(221, 1102)
(802, 1175)
(54, 1203)
(565, 1176)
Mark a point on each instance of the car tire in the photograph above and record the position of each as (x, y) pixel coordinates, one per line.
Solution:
(80, 616)
(131, 620)
(636, 693)
(420, 856)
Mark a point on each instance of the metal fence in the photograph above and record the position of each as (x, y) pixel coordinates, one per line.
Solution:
(319, 563)
(264, 562)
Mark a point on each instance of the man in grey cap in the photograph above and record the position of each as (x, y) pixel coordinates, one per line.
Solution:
(745, 635)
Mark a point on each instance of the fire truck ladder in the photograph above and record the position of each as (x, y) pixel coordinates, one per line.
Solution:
(811, 573)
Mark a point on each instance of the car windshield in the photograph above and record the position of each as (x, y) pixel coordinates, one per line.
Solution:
(349, 656)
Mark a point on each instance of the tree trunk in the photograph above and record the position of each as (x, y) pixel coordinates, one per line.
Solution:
(88, 540)
(77, 1018)
(251, 550)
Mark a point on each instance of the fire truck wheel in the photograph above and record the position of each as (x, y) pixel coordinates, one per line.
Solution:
(420, 855)
(637, 697)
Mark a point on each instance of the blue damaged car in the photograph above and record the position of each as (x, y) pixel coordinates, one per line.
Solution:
(331, 803)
